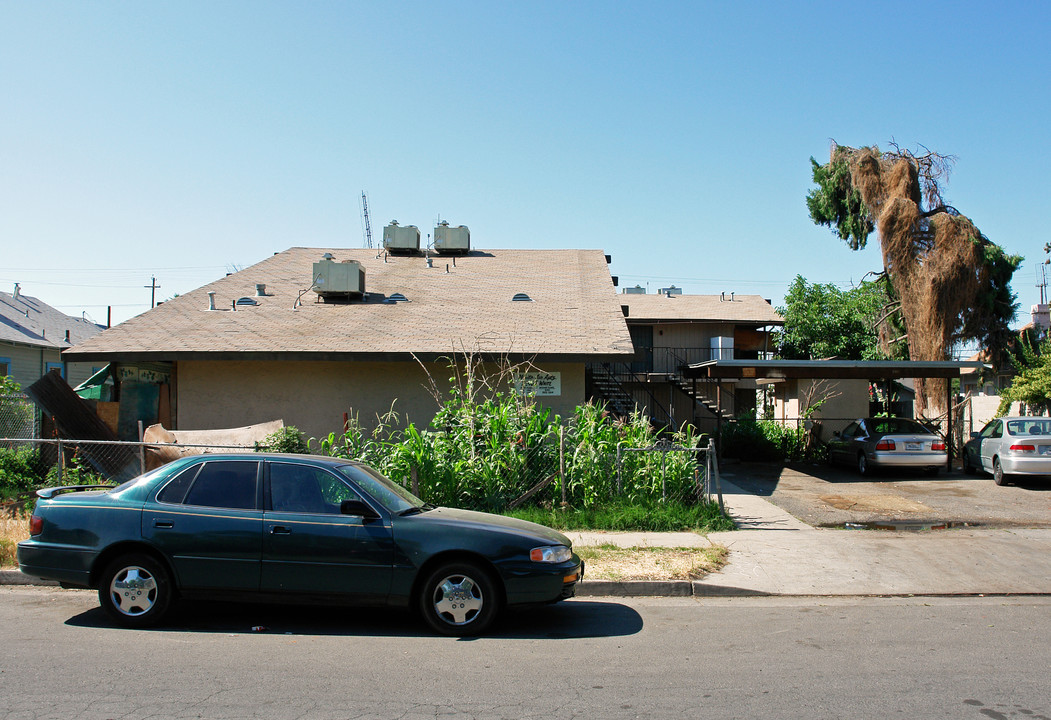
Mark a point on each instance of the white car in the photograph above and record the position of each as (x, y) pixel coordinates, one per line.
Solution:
(1011, 446)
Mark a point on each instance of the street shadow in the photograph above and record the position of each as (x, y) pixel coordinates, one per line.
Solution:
(572, 619)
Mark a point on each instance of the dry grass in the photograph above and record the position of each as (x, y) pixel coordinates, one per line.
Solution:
(609, 562)
(14, 527)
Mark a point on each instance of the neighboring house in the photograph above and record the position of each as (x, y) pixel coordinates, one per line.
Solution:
(305, 339)
(33, 335)
(670, 330)
(984, 388)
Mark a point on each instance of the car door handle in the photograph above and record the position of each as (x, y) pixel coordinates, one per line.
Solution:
(163, 524)
(280, 530)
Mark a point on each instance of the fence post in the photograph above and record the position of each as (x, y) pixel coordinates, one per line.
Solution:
(415, 480)
(562, 461)
(713, 459)
(664, 475)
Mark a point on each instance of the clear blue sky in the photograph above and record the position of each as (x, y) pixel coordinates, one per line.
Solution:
(184, 139)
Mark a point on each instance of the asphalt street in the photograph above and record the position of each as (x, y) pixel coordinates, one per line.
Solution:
(592, 657)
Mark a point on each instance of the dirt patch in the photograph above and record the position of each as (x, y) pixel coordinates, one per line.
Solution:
(874, 503)
(609, 562)
(14, 527)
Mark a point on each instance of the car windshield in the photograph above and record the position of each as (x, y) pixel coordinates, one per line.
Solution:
(389, 494)
(1029, 426)
(892, 426)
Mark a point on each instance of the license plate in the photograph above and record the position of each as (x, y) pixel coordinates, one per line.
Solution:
(913, 446)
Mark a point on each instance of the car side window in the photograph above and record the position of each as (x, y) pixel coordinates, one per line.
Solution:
(175, 491)
(997, 431)
(225, 484)
(295, 487)
(850, 430)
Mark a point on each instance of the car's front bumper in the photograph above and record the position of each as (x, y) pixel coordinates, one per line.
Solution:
(530, 583)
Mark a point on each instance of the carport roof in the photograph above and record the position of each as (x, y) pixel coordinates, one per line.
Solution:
(837, 369)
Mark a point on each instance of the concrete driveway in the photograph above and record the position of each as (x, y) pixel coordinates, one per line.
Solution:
(827, 496)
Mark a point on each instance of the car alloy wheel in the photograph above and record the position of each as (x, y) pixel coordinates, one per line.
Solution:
(863, 464)
(998, 473)
(459, 599)
(135, 591)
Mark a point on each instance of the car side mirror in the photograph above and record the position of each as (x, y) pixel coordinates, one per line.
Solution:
(357, 507)
(974, 434)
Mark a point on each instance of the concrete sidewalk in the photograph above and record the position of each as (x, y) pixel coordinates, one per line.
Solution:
(773, 553)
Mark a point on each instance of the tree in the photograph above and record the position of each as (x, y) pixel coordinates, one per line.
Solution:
(1032, 385)
(823, 321)
(953, 282)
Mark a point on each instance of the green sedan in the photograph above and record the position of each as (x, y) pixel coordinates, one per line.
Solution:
(291, 528)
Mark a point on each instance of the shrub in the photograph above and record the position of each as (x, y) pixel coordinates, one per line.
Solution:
(286, 440)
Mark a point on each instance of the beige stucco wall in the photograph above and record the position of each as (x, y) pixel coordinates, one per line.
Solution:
(850, 401)
(314, 395)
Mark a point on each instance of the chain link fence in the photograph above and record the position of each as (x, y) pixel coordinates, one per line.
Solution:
(553, 473)
(18, 417)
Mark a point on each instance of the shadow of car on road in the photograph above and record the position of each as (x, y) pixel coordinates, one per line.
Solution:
(571, 619)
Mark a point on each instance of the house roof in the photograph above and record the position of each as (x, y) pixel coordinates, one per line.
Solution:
(458, 305)
(25, 320)
(700, 308)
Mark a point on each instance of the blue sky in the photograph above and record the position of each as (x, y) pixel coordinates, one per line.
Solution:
(182, 140)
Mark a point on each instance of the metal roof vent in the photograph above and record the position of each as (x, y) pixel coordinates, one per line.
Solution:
(521, 297)
(398, 297)
(246, 301)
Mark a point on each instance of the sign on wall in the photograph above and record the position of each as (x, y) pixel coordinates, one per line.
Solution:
(538, 383)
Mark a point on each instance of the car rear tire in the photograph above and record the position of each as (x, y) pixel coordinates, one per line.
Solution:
(459, 599)
(968, 468)
(135, 590)
(998, 473)
(933, 471)
(863, 465)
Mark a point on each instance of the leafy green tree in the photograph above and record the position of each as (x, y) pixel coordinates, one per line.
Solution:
(823, 321)
(1032, 385)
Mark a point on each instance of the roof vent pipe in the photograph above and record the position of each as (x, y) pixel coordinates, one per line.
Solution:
(17, 293)
(722, 297)
(732, 296)
(260, 290)
(211, 300)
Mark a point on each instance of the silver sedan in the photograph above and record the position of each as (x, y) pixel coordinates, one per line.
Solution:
(869, 443)
(1011, 446)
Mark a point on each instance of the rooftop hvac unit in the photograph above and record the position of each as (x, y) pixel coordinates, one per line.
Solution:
(401, 240)
(339, 279)
(452, 240)
(637, 290)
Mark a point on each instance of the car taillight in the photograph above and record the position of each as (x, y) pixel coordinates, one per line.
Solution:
(885, 445)
(937, 446)
(1023, 448)
(36, 524)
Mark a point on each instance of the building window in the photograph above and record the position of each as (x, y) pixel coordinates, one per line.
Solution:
(48, 367)
(5, 366)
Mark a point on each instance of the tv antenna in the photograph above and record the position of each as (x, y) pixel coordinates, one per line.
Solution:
(365, 219)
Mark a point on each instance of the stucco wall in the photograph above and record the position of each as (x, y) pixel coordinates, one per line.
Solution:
(850, 401)
(314, 395)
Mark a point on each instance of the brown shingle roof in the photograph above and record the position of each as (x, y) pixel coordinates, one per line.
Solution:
(701, 308)
(455, 306)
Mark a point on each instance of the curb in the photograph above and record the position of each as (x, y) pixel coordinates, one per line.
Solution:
(17, 577)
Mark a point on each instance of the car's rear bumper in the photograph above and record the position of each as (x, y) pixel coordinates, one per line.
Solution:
(70, 567)
(1016, 465)
(903, 459)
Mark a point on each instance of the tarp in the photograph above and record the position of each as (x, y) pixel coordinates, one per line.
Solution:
(97, 387)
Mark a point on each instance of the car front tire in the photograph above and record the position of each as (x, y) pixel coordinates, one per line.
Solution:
(135, 590)
(968, 468)
(459, 599)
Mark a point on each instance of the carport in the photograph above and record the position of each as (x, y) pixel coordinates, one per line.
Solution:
(721, 371)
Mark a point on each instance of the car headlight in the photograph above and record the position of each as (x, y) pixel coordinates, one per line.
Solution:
(551, 554)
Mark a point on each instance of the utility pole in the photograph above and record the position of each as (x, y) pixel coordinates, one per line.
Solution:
(154, 287)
